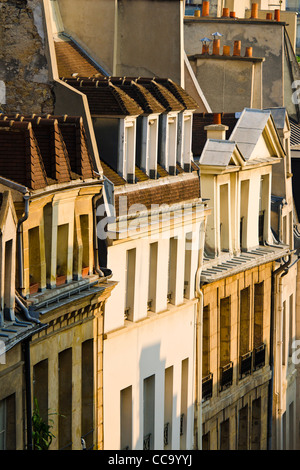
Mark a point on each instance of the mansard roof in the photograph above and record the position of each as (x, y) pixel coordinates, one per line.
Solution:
(37, 151)
(71, 59)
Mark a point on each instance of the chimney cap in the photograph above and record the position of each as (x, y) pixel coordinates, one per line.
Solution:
(205, 40)
(217, 35)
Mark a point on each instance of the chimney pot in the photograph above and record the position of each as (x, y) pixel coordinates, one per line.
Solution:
(277, 15)
(217, 118)
(232, 14)
(225, 13)
(237, 48)
(254, 10)
(205, 49)
(249, 51)
(216, 47)
(269, 16)
(205, 8)
(197, 13)
(226, 50)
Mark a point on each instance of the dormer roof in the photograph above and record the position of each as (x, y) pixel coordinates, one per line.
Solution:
(221, 153)
(37, 151)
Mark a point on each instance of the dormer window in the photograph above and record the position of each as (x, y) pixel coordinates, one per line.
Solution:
(184, 139)
(168, 142)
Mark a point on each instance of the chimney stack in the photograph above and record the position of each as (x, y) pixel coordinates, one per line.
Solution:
(254, 10)
(217, 130)
(205, 8)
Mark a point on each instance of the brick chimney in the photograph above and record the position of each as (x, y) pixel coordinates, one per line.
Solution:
(217, 130)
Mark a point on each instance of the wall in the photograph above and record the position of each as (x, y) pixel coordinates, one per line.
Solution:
(23, 59)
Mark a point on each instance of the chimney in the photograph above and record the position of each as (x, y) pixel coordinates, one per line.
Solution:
(205, 8)
(216, 47)
(232, 14)
(269, 16)
(254, 10)
(277, 15)
(217, 130)
(205, 49)
(225, 13)
(249, 51)
(226, 50)
(237, 48)
(197, 13)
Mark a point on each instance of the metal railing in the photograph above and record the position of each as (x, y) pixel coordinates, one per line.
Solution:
(226, 376)
(246, 364)
(259, 358)
(147, 442)
(207, 387)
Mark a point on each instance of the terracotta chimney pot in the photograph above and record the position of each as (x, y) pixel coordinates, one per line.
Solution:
(205, 49)
(216, 47)
(197, 13)
(225, 13)
(237, 48)
(232, 14)
(205, 8)
(217, 118)
(249, 52)
(277, 15)
(269, 16)
(254, 10)
(226, 50)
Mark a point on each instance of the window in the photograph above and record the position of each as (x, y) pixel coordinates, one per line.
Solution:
(40, 387)
(149, 412)
(152, 276)
(62, 254)
(65, 400)
(87, 392)
(224, 218)
(224, 435)
(206, 342)
(256, 424)
(258, 314)
(243, 428)
(283, 339)
(34, 259)
(130, 284)
(184, 403)
(225, 323)
(244, 214)
(172, 270)
(264, 210)
(84, 226)
(206, 441)
(126, 418)
(244, 321)
(168, 408)
(8, 423)
(8, 278)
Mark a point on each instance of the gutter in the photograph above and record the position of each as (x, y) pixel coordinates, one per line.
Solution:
(26, 198)
(277, 276)
(199, 328)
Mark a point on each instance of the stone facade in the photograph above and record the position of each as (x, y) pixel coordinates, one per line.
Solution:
(24, 79)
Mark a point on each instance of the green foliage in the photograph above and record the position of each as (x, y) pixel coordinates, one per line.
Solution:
(41, 434)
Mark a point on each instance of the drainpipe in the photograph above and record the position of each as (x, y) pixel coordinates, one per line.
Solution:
(26, 312)
(275, 353)
(199, 327)
(26, 198)
(26, 351)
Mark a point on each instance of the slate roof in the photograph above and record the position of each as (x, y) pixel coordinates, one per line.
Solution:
(217, 152)
(37, 151)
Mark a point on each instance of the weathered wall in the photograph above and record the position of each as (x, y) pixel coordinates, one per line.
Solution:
(24, 80)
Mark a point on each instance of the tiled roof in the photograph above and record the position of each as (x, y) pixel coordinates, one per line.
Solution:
(200, 121)
(71, 59)
(139, 93)
(180, 94)
(37, 151)
(161, 94)
(170, 192)
(105, 99)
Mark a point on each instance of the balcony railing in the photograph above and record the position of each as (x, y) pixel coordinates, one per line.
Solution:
(246, 364)
(207, 387)
(166, 434)
(226, 376)
(259, 357)
(147, 442)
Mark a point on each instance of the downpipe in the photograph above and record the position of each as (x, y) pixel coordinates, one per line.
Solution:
(26, 198)
(199, 328)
